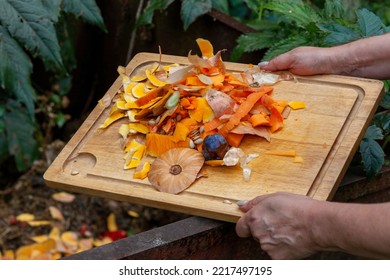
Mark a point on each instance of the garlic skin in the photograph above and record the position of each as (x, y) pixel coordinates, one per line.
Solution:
(175, 170)
(237, 155)
(265, 78)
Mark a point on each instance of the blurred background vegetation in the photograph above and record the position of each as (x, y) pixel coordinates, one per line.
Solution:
(58, 57)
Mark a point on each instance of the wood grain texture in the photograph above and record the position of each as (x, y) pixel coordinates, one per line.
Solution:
(326, 135)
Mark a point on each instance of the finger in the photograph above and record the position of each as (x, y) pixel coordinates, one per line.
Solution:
(251, 203)
(243, 228)
(262, 64)
(281, 62)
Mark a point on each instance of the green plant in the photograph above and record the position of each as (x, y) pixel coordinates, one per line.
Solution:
(35, 33)
(284, 25)
(375, 143)
(192, 9)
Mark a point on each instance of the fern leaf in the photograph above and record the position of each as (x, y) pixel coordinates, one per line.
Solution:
(29, 23)
(15, 71)
(299, 12)
(369, 23)
(87, 10)
(192, 9)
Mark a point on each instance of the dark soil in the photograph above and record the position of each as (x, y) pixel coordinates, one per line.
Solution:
(29, 194)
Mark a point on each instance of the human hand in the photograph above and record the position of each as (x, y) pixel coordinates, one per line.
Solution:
(303, 61)
(281, 223)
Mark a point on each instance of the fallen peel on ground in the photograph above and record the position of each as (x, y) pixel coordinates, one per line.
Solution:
(57, 243)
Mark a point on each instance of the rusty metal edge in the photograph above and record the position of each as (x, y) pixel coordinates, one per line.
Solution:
(150, 239)
(190, 238)
(202, 238)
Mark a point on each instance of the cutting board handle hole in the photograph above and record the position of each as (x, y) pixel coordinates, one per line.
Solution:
(80, 164)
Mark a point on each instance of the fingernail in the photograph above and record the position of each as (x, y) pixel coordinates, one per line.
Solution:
(263, 63)
(241, 202)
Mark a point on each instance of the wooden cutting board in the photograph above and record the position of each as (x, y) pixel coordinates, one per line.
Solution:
(326, 135)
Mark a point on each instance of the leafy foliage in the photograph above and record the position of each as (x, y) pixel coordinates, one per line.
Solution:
(146, 17)
(87, 10)
(30, 25)
(33, 30)
(15, 70)
(19, 128)
(190, 10)
(299, 23)
(371, 151)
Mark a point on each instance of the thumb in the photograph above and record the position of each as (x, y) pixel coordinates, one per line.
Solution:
(245, 205)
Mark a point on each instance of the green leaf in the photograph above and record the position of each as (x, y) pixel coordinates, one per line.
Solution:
(236, 53)
(387, 162)
(30, 24)
(152, 6)
(373, 133)
(53, 8)
(60, 119)
(192, 9)
(254, 5)
(256, 41)
(250, 42)
(338, 34)
(301, 13)
(221, 5)
(6, 74)
(382, 120)
(334, 9)
(385, 103)
(19, 130)
(373, 156)
(369, 23)
(67, 47)
(238, 9)
(15, 71)
(87, 10)
(286, 45)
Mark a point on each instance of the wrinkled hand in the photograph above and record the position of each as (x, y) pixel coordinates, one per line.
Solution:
(303, 61)
(281, 223)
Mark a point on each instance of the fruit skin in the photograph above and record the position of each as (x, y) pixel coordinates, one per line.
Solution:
(214, 147)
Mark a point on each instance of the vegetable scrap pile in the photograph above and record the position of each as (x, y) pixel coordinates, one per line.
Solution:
(198, 107)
